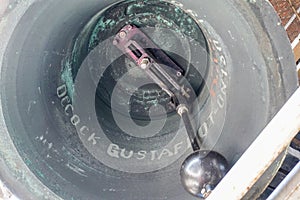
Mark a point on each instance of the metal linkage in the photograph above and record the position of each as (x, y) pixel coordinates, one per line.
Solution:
(202, 170)
(138, 47)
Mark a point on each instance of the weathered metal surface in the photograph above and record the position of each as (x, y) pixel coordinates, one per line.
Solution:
(289, 188)
(34, 183)
(261, 154)
(5, 193)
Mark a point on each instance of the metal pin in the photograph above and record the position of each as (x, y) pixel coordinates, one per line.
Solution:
(181, 109)
(145, 62)
(122, 34)
(115, 42)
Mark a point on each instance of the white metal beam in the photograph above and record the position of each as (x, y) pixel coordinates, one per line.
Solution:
(272, 141)
(291, 19)
(289, 187)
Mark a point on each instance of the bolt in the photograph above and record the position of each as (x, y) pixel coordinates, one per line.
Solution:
(115, 42)
(145, 62)
(122, 34)
(181, 109)
(206, 191)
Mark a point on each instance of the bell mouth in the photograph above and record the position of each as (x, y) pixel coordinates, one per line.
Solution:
(132, 114)
(60, 70)
(93, 76)
(63, 88)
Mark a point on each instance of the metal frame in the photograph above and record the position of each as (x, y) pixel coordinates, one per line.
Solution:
(289, 188)
(261, 154)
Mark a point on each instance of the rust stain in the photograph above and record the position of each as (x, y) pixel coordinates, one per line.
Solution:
(3, 7)
(266, 167)
(216, 60)
(212, 91)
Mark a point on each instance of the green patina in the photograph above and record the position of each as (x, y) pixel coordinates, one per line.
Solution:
(140, 13)
(102, 25)
(33, 168)
(67, 78)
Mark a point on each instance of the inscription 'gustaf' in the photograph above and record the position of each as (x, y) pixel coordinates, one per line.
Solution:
(116, 152)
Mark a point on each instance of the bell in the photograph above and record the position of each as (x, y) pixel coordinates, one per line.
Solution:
(80, 120)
